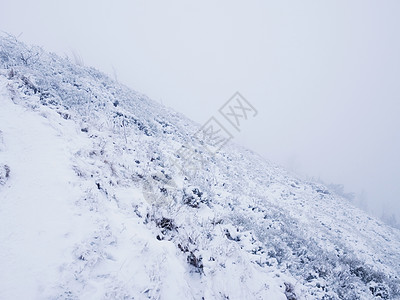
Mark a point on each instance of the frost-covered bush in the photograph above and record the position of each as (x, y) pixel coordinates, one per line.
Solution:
(193, 197)
(196, 262)
(4, 174)
(289, 291)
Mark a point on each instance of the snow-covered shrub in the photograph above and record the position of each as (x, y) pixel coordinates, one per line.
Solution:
(193, 197)
(196, 262)
(159, 189)
(4, 174)
(289, 291)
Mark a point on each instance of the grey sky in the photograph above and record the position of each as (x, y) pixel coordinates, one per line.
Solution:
(324, 75)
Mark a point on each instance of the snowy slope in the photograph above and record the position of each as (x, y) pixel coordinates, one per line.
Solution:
(94, 204)
(38, 222)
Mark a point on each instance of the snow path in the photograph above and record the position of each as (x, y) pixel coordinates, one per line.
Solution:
(36, 220)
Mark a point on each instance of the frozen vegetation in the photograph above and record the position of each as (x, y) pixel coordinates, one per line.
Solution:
(95, 203)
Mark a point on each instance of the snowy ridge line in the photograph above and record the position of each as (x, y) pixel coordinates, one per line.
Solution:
(239, 228)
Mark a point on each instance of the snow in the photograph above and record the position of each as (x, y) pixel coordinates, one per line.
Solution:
(40, 226)
(37, 220)
(97, 205)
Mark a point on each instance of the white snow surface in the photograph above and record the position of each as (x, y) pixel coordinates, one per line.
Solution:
(93, 204)
(37, 218)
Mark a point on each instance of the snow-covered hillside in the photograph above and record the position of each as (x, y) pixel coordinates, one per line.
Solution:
(97, 203)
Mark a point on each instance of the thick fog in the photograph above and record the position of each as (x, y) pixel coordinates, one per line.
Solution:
(324, 76)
